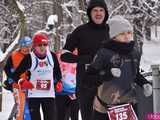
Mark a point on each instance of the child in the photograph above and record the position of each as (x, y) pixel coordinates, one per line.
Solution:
(117, 63)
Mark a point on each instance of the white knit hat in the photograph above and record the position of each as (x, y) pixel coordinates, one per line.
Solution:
(118, 24)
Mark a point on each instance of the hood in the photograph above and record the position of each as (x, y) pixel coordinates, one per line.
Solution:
(95, 3)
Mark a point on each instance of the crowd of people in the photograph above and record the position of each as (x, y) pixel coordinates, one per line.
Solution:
(97, 70)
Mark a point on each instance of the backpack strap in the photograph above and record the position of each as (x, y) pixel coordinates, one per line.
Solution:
(34, 60)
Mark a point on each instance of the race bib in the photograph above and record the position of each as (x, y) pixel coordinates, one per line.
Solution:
(122, 112)
(43, 84)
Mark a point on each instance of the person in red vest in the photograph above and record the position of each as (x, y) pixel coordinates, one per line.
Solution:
(45, 74)
(12, 63)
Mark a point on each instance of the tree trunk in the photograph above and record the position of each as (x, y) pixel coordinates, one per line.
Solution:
(82, 4)
(1, 76)
(57, 9)
(14, 8)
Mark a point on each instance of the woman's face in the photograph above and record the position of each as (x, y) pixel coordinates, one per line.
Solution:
(124, 37)
(26, 50)
(41, 48)
(98, 15)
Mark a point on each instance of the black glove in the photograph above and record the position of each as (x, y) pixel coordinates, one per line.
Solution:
(85, 59)
(91, 81)
(69, 57)
(7, 84)
(93, 76)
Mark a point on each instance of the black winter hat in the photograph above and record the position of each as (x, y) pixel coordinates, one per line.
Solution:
(95, 3)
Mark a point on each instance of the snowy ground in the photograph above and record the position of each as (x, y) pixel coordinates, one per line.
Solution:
(7, 104)
(151, 55)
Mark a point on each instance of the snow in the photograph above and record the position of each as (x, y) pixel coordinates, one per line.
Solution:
(151, 55)
(52, 19)
(10, 48)
(7, 104)
(21, 7)
(1, 53)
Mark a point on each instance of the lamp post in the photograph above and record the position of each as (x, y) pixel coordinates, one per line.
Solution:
(156, 87)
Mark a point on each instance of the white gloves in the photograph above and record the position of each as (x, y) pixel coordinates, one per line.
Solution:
(147, 89)
(116, 72)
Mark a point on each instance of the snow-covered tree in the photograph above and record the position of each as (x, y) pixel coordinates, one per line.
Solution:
(142, 13)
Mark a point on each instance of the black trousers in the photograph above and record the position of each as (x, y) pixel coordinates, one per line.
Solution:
(99, 116)
(66, 108)
(86, 97)
(85, 92)
(48, 108)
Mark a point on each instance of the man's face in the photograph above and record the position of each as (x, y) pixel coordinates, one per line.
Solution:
(98, 15)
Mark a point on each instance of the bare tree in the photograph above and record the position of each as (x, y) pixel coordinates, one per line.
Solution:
(22, 32)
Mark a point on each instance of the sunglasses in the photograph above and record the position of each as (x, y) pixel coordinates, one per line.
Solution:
(40, 45)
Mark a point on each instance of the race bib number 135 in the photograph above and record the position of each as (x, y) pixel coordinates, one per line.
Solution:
(122, 112)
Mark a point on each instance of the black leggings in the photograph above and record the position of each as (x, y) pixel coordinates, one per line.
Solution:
(48, 108)
(99, 116)
(86, 103)
(66, 108)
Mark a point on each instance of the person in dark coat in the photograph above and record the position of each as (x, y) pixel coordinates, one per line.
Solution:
(87, 38)
(117, 64)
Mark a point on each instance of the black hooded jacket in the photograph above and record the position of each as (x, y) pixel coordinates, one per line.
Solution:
(94, 3)
(87, 38)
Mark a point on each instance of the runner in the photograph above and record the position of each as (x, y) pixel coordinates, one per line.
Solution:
(117, 63)
(66, 101)
(12, 63)
(44, 69)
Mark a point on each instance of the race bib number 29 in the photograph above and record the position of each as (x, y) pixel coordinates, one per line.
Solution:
(122, 112)
(43, 84)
